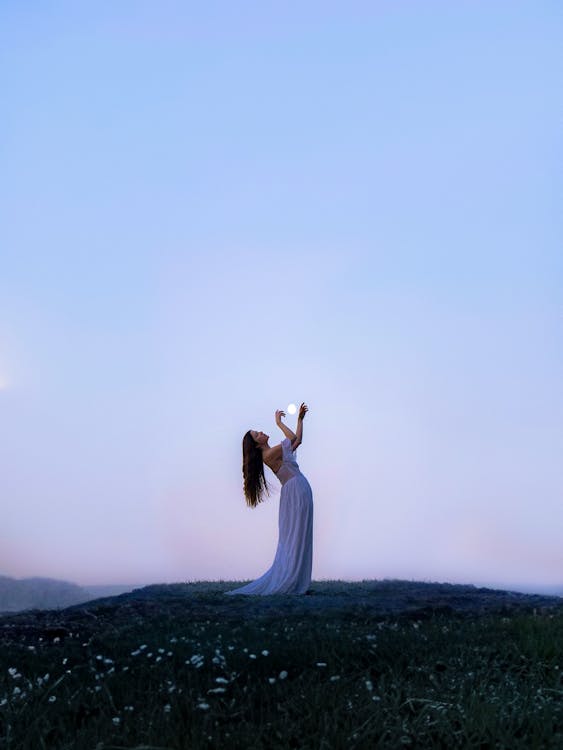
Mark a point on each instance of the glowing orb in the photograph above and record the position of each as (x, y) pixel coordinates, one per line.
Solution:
(291, 409)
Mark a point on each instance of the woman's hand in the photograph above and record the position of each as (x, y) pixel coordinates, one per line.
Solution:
(302, 411)
(279, 415)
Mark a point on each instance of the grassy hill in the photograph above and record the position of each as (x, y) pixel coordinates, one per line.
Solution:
(353, 665)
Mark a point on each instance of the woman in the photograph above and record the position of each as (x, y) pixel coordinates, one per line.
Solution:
(290, 572)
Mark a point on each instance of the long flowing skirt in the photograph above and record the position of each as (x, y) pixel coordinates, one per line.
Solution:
(290, 573)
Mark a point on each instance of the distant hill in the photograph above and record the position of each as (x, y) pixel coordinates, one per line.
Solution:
(19, 594)
(43, 593)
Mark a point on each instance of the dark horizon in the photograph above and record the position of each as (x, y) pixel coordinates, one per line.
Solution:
(539, 588)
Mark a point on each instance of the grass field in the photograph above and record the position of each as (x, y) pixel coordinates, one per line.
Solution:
(162, 677)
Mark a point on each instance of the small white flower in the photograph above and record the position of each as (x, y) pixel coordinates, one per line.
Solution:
(167, 708)
(271, 680)
(282, 675)
(158, 658)
(265, 652)
(321, 664)
(252, 656)
(52, 698)
(143, 646)
(203, 706)
(335, 677)
(116, 720)
(160, 650)
(216, 690)
(222, 680)
(135, 653)
(369, 685)
(16, 690)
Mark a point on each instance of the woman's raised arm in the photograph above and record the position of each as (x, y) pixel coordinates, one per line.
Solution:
(299, 437)
(284, 428)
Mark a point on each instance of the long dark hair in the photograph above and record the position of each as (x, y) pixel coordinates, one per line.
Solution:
(255, 483)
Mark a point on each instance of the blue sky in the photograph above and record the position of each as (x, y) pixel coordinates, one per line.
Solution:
(211, 211)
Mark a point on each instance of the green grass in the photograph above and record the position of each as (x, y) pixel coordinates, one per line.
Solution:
(488, 681)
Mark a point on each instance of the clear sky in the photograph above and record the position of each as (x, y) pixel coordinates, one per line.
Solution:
(211, 210)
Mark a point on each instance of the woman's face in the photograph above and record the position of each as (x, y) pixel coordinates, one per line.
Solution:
(260, 437)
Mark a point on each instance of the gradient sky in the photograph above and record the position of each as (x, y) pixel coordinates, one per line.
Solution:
(211, 210)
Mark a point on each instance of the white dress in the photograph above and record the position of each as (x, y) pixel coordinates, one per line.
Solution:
(290, 572)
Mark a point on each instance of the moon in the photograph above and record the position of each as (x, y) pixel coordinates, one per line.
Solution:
(291, 409)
